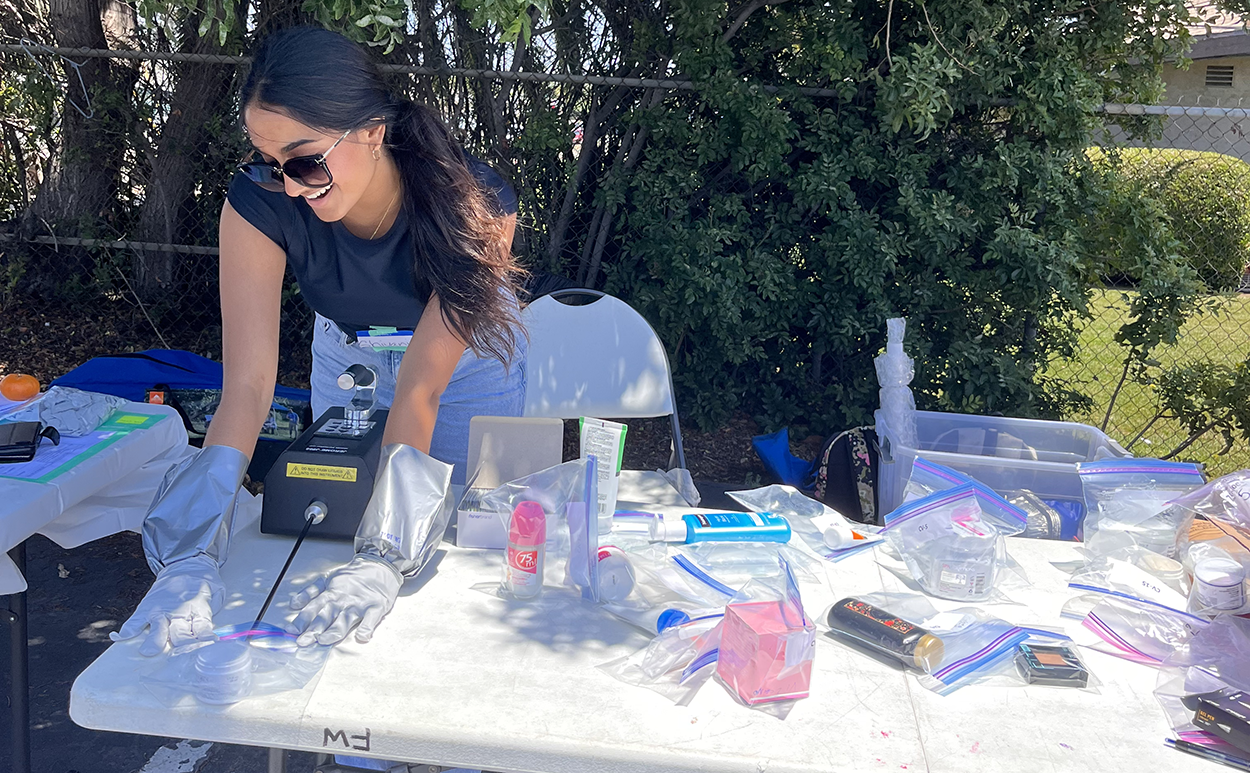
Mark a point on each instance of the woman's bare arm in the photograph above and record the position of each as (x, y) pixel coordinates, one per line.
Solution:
(423, 376)
(251, 272)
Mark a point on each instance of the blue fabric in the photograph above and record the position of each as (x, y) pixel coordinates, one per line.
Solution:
(356, 282)
(1071, 516)
(480, 386)
(131, 375)
(774, 452)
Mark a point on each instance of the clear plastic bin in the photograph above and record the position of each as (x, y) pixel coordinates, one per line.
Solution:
(1005, 454)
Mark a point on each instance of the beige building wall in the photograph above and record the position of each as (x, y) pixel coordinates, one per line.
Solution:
(1188, 87)
(1230, 136)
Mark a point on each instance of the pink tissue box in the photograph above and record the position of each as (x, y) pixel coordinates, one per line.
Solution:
(765, 652)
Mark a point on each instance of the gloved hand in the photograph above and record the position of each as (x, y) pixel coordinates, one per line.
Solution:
(178, 609)
(359, 592)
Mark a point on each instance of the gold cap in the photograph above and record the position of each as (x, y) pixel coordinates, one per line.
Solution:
(928, 654)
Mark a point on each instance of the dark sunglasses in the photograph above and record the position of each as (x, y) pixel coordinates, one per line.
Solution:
(308, 171)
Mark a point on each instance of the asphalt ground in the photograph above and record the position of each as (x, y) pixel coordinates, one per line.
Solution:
(76, 598)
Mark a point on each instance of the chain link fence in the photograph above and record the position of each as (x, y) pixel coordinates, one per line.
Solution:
(1181, 396)
(87, 294)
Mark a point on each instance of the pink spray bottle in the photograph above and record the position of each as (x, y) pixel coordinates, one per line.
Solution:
(527, 538)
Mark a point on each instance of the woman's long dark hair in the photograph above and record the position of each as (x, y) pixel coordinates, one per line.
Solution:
(327, 82)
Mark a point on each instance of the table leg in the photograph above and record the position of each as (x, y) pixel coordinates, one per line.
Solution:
(19, 675)
(277, 761)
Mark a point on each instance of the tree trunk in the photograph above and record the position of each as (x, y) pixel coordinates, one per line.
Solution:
(201, 93)
(81, 184)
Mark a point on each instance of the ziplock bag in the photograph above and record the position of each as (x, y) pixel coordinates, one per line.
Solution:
(676, 663)
(1181, 691)
(247, 660)
(1009, 519)
(949, 547)
(970, 646)
(735, 563)
(826, 531)
(650, 605)
(685, 577)
(1127, 502)
(1140, 631)
(1137, 573)
(1225, 500)
(1215, 548)
(568, 496)
(1221, 648)
(767, 643)
(929, 478)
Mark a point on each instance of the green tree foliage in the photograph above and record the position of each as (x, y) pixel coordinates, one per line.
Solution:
(770, 234)
(836, 164)
(1205, 398)
(1202, 194)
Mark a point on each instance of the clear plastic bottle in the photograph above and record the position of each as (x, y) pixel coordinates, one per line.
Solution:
(527, 538)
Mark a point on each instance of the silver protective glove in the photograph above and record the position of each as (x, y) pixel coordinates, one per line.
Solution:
(398, 534)
(356, 595)
(194, 507)
(185, 538)
(178, 609)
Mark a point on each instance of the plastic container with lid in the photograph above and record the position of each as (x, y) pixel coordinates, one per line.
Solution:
(223, 672)
(1220, 584)
(616, 574)
(1008, 455)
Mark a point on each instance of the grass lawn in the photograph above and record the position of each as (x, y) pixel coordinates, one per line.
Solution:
(1223, 337)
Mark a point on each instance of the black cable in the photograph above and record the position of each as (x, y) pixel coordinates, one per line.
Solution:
(265, 607)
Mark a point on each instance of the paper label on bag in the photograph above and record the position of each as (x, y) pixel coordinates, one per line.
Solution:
(799, 646)
(1136, 581)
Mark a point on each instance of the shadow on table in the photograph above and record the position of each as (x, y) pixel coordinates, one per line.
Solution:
(558, 619)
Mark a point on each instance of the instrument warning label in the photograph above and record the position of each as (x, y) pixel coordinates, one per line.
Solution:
(320, 472)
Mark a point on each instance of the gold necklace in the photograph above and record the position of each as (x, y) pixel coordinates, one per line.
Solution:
(386, 212)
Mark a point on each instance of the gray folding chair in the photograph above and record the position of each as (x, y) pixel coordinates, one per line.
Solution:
(599, 359)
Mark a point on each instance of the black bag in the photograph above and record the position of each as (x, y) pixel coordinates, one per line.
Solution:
(19, 440)
(846, 474)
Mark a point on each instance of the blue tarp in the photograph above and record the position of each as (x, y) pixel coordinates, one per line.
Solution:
(131, 375)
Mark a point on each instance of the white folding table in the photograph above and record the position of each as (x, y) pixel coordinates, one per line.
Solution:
(74, 493)
(455, 676)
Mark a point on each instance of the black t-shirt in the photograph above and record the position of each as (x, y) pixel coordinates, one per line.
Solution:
(356, 282)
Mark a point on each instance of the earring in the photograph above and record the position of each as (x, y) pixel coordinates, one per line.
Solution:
(377, 153)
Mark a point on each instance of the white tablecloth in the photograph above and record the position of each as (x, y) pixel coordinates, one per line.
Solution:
(101, 495)
(457, 677)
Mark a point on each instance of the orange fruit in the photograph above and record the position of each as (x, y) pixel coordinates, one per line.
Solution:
(19, 386)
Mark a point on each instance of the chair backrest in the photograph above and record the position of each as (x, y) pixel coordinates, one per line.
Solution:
(601, 359)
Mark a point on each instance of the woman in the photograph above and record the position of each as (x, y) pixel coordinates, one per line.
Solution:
(385, 222)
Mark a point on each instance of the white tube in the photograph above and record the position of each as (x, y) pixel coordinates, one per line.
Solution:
(606, 440)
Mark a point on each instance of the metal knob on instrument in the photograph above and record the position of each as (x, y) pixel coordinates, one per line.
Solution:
(316, 512)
